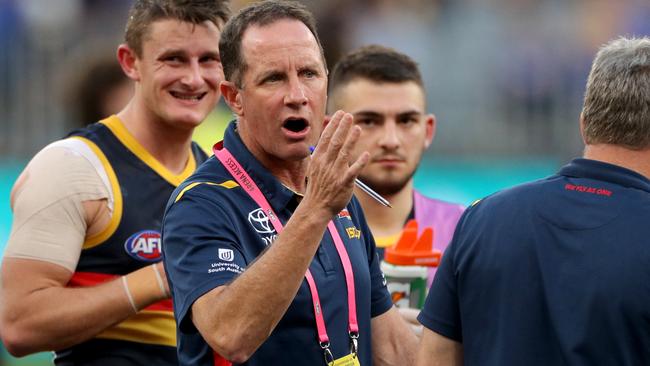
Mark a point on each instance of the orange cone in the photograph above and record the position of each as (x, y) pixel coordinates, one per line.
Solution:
(413, 251)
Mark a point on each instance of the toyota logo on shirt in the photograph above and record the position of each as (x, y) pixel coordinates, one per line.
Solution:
(260, 221)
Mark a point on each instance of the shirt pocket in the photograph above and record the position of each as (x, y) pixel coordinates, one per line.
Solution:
(325, 259)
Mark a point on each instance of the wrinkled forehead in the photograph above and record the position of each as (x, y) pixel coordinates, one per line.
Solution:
(278, 41)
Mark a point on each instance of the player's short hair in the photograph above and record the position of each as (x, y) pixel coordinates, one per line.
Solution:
(375, 63)
(145, 12)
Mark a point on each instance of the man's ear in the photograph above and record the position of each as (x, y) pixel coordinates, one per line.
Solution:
(128, 61)
(430, 129)
(231, 94)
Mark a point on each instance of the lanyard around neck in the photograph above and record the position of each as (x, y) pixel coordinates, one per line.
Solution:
(249, 186)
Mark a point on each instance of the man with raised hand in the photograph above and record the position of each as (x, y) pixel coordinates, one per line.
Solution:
(269, 257)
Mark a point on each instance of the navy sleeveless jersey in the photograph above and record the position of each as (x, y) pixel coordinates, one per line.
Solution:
(141, 187)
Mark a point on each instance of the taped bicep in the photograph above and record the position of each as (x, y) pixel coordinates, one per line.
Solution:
(49, 222)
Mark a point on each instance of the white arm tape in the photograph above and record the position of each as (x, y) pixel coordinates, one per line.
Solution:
(49, 220)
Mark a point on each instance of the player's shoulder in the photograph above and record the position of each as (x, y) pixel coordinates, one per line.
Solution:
(209, 180)
(505, 201)
(64, 158)
(202, 187)
(430, 202)
(67, 148)
(63, 169)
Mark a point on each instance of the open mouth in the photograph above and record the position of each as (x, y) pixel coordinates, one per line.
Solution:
(295, 124)
(190, 97)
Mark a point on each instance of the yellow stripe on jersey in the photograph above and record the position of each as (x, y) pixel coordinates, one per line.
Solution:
(147, 326)
(116, 216)
(117, 127)
(230, 184)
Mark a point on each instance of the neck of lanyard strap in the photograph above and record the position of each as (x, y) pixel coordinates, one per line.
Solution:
(249, 186)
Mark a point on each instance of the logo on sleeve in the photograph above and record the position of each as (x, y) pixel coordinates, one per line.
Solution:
(353, 232)
(344, 214)
(144, 246)
(226, 254)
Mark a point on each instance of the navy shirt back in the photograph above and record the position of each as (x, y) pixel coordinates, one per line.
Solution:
(554, 272)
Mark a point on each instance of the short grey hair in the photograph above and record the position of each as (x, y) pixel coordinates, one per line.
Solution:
(616, 108)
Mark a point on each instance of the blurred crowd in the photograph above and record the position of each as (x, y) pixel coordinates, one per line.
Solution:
(504, 77)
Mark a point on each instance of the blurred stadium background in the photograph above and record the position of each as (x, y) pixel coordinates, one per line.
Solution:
(505, 79)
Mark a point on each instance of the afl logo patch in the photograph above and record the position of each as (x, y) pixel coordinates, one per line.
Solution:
(144, 246)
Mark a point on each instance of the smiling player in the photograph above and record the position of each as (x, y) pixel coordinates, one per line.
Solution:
(82, 273)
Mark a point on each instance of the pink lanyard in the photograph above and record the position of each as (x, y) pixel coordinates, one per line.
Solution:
(245, 181)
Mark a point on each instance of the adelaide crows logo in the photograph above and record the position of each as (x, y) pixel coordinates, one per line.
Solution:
(144, 246)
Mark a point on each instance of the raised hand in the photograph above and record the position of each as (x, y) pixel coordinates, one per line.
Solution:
(331, 174)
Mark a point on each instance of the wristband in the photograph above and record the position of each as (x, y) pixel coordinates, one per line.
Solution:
(160, 280)
(128, 294)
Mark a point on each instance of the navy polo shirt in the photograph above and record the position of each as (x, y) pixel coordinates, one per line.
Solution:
(213, 231)
(553, 272)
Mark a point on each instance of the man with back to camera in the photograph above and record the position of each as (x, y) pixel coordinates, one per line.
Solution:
(555, 272)
(383, 90)
(242, 234)
(82, 272)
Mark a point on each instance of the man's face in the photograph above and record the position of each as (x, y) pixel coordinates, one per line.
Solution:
(394, 130)
(283, 93)
(180, 71)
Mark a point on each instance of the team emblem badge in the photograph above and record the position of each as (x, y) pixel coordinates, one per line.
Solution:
(226, 255)
(344, 214)
(144, 246)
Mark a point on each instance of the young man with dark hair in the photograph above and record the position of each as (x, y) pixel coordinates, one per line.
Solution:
(82, 274)
(268, 255)
(383, 90)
